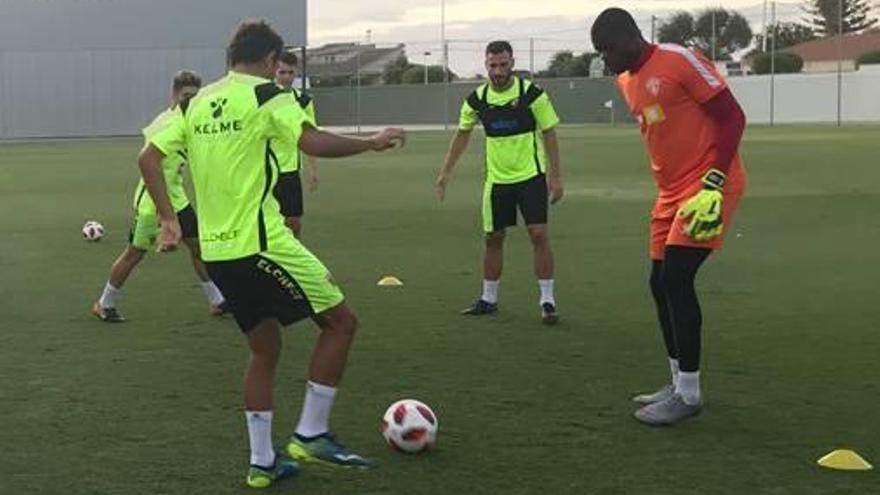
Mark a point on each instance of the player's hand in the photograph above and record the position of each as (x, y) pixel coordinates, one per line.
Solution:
(391, 137)
(704, 209)
(169, 235)
(555, 189)
(440, 186)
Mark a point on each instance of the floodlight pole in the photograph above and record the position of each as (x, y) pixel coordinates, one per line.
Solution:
(764, 38)
(653, 28)
(358, 90)
(305, 68)
(839, 63)
(445, 47)
(532, 56)
(773, 70)
(426, 54)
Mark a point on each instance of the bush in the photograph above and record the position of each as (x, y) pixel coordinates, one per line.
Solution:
(870, 58)
(786, 63)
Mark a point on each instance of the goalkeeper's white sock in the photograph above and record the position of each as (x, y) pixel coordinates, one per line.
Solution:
(547, 291)
(109, 296)
(315, 417)
(674, 371)
(689, 387)
(490, 291)
(260, 433)
(215, 297)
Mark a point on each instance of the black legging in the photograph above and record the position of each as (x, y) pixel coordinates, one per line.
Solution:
(678, 309)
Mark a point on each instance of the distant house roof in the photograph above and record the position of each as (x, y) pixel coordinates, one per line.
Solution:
(341, 59)
(826, 49)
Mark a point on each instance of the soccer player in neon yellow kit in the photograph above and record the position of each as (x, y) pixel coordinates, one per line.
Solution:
(145, 229)
(268, 277)
(522, 171)
(289, 190)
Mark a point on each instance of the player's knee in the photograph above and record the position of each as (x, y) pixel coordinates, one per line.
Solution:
(539, 237)
(351, 324)
(656, 282)
(495, 240)
(343, 321)
(674, 281)
(132, 256)
(194, 249)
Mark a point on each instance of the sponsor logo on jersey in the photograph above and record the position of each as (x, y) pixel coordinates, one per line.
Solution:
(284, 280)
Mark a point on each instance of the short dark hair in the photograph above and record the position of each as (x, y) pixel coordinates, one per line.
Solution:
(252, 41)
(499, 47)
(615, 23)
(288, 57)
(186, 78)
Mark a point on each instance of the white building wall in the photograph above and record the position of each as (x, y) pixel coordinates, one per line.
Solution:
(810, 98)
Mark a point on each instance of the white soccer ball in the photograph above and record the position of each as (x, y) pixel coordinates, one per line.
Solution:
(410, 426)
(93, 231)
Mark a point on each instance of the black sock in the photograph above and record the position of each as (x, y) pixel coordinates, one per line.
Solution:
(663, 309)
(678, 276)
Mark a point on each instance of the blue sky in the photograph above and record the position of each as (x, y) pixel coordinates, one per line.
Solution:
(555, 24)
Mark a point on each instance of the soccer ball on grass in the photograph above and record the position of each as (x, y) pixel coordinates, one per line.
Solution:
(93, 231)
(410, 426)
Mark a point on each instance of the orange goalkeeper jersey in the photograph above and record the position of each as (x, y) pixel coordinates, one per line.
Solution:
(666, 95)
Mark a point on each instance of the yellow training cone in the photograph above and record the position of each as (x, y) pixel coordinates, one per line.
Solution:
(390, 281)
(846, 460)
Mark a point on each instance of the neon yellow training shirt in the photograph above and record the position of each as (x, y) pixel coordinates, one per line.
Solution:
(228, 130)
(289, 155)
(171, 167)
(514, 150)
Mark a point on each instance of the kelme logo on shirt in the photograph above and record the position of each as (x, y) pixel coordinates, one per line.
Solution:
(217, 106)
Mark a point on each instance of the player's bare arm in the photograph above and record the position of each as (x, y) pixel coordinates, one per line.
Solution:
(150, 164)
(456, 148)
(554, 170)
(325, 144)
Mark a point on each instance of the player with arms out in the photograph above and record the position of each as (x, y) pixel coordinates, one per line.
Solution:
(289, 191)
(268, 277)
(145, 230)
(692, 126)
(522, 170)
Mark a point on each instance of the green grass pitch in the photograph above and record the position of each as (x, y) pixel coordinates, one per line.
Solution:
(154, 407)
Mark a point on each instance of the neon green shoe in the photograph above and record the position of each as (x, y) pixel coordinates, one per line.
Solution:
(260, 477)
(324, 449)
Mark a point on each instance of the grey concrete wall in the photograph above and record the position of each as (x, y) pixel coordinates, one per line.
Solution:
(71, 68)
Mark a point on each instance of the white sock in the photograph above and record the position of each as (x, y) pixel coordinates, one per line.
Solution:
(674, 370)
(315, 417)
(260, 432)
(547, 291)
(490, 291)
(215, 298)
(108, 297)
(689, 387)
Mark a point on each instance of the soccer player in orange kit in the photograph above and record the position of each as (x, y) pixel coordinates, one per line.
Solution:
(692, 126)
